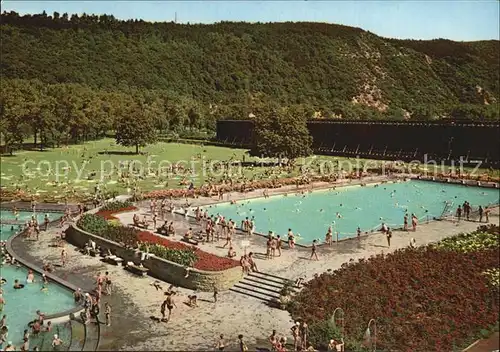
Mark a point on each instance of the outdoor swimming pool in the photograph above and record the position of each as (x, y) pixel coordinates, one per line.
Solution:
(22, 304)
(310, 215)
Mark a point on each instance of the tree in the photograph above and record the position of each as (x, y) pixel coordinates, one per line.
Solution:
(136, 129)
(281, 132)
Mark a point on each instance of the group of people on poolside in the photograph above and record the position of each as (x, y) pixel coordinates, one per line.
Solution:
(91, 301)
(464, 211)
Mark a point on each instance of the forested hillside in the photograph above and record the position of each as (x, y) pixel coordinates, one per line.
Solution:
(93, 68)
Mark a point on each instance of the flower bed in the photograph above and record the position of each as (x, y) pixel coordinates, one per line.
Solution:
(425, 299)
(177, 252)
(205, 261)
(111, 208)
(486, 237)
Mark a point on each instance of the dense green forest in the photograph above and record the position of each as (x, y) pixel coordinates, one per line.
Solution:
(82, 72)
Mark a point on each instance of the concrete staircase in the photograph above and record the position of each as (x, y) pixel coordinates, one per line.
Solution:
(262, 286)
(92, 336)
(77, 336)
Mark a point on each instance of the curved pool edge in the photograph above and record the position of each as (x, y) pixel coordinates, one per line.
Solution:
(57, 317)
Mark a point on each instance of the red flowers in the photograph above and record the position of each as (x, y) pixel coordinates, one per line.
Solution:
(206, 261)
(422, 300)
(108, 214)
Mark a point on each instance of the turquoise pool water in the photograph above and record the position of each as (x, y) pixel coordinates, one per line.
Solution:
(22, 304)
(310, 215)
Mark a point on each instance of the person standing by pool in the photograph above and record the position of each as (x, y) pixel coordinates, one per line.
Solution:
(314, 250)
(329, 236)
(107, 313)
(405, 223)
(279, 244)
(388, 235)
(291, 239)
(64, 255)
(359, 233)
(170, 304)
(480, 211)
(46, 222)
(459, 213)
(414, 222)
(487, 214)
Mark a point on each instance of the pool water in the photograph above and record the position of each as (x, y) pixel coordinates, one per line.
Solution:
(347, 208)
(22, 216)
(22, 304)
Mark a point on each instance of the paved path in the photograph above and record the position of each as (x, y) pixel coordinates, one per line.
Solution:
(486, 345)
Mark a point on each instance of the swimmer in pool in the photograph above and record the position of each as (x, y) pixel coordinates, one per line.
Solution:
(18, 285)
(31, 277)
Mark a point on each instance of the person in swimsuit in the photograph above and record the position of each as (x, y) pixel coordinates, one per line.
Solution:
(388, 235)
(107, 313)
(31, 277)
(220, 345)
(57, 343)
(279, 245)
(242, 344)
(291, 239)
(273, 340)
(18, 285)
(329, 237)
(314, 249)
(170, 304)
(25, 345)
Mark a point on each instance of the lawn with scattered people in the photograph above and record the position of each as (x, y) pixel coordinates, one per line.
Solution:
(435, 298)
(75, 170)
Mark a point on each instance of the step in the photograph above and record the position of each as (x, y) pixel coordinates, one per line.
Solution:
(92, 336)
(257, 279)
(245, 292)
(257, 290)
(77, 336)
(269, 277)
(251, 285)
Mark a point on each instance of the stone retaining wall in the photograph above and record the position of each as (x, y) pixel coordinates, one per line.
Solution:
(162, 269)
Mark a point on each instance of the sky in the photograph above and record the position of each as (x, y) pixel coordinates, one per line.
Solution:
(424, 19)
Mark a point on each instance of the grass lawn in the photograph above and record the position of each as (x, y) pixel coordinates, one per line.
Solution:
(79, 168)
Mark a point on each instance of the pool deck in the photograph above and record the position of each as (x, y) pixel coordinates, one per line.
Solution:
(134, 300)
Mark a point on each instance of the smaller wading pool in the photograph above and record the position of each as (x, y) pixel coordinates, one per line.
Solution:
(21, 304)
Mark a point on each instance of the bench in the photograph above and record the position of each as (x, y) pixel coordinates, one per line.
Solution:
(113, 259)
(140, 225)
(190, 241)
(138, 270)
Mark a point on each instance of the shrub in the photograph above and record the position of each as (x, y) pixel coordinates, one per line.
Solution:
(321, 332)
(121, 234)
(493, 276)
(424, 299)
(470, 242)
(93, 223)
(185, 257)
(117, 205)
